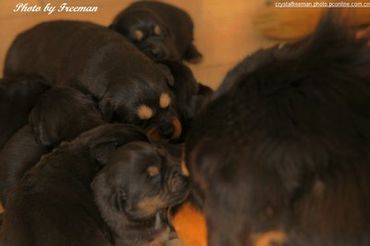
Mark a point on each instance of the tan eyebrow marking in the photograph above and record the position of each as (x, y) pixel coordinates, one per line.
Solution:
(138, 35)
(157, 30)
(184, 169)
(144, 112)
(152, 170)
(164, 100)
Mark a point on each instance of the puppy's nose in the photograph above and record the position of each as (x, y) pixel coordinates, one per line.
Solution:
(156, 52)
(166, 130)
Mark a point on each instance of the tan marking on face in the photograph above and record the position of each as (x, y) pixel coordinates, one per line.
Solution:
(150, 205)
(184, 169)
(269, 238)
(153, 135)
(318, 188)
(144, 112)
(177, 126)
(157, 30)
(164, 100)
(138, 35)
(153, 171)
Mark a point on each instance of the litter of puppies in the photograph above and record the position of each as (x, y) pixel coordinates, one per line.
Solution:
(105, 132)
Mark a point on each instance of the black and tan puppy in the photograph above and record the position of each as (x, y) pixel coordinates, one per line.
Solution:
(54, 204)
(282, 151)
(160, 30)
(129, 87)
(60, 114)
(135, 191)
(17, 97)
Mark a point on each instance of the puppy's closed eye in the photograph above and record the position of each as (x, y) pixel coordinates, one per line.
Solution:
(144, 112)
(164, 100)
(153, 171)
(157, 30)
(138, 35)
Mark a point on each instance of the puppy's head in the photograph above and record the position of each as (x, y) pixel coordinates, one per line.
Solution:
(62, 113)
(139, 181)
(144, 102)
(148, 32)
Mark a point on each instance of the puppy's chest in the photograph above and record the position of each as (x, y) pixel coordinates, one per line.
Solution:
(149, 236)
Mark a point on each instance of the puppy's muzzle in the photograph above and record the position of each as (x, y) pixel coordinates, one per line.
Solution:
(168, 130)
(155, 50)
(157, 53)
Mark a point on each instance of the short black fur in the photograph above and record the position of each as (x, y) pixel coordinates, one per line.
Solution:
(284, 144)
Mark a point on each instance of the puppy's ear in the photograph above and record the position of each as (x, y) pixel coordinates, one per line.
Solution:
(106, 109)
(168, 74)
(192, 55)
(101, 150)
(41, 134)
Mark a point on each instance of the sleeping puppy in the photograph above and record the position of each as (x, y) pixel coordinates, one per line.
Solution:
(137, 184)
(281, 153)
(129, 87)
(60, 114)
(160, 30)
(17, 97)
(189, 95)
(135, 191)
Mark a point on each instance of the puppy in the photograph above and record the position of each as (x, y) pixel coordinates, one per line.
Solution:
(128, 86)
(60, 114)
(17, 97)
(136, 185)
(135, 191)
(160, 30)
(282, 150)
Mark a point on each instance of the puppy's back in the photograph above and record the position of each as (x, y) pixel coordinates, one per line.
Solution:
(59, 40)
(17, 97)
(72, 52)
